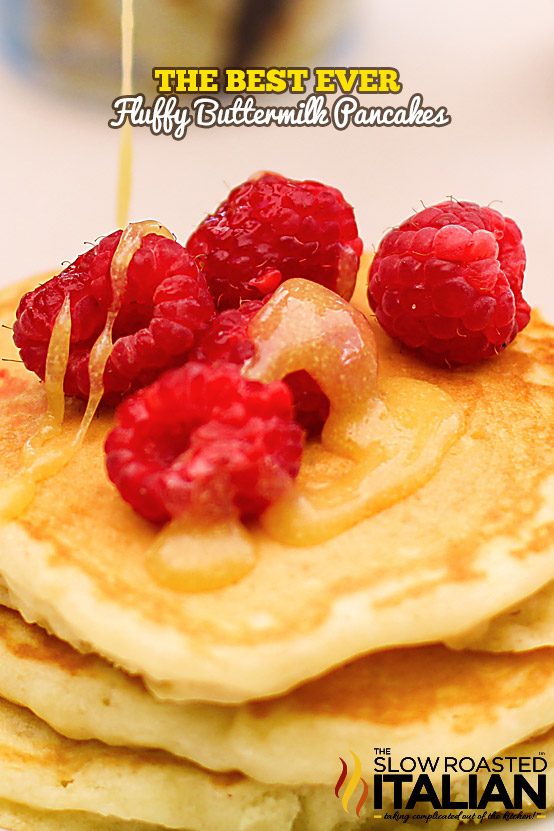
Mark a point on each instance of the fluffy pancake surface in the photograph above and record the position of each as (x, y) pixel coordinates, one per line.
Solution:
(422, 701)
(466, 546)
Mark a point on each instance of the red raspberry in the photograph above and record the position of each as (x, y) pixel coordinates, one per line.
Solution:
(448, 281)
(311, 405)
(165, 303)
(203, 438)
(270, 229)
(226, 339)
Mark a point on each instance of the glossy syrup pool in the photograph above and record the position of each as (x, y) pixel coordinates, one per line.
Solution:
(195, 555)
(384, 437)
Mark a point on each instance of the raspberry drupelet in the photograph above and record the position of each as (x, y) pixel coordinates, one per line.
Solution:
(165, 304)
(270, 229)
(205, 440)
(227, 340)
(448, 283)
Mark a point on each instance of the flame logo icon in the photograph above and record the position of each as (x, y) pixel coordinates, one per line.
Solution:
(351, 785)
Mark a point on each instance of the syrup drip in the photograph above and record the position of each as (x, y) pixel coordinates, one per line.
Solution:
(40, 459)
(130, 242)
(39, 463)
(56, 366)
(407, 435)
(306, 326)
(195, 555)
(382, 440)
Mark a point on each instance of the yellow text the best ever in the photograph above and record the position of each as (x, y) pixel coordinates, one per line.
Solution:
(277, 79)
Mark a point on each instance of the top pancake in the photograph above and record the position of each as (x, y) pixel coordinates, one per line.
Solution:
(474, 540)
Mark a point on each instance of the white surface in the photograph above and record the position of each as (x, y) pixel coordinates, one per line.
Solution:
(491, 63)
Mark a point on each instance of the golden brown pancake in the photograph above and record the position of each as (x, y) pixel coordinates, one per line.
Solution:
(419, 700)
(472, 541)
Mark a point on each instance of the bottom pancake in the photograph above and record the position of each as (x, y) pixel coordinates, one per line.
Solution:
(21, 818)
(46, 772)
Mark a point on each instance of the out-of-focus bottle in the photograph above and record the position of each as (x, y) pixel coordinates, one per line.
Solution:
(74, 44)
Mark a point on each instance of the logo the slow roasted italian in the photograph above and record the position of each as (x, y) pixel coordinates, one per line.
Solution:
(455, 784)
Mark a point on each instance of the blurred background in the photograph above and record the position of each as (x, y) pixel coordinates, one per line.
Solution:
(491, 64)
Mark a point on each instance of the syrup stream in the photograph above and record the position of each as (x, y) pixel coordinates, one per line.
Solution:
(126, 146)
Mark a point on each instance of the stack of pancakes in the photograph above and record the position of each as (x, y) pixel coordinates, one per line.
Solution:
(427, 628)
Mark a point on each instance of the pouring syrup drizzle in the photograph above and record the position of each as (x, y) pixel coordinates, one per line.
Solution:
(125, 173)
